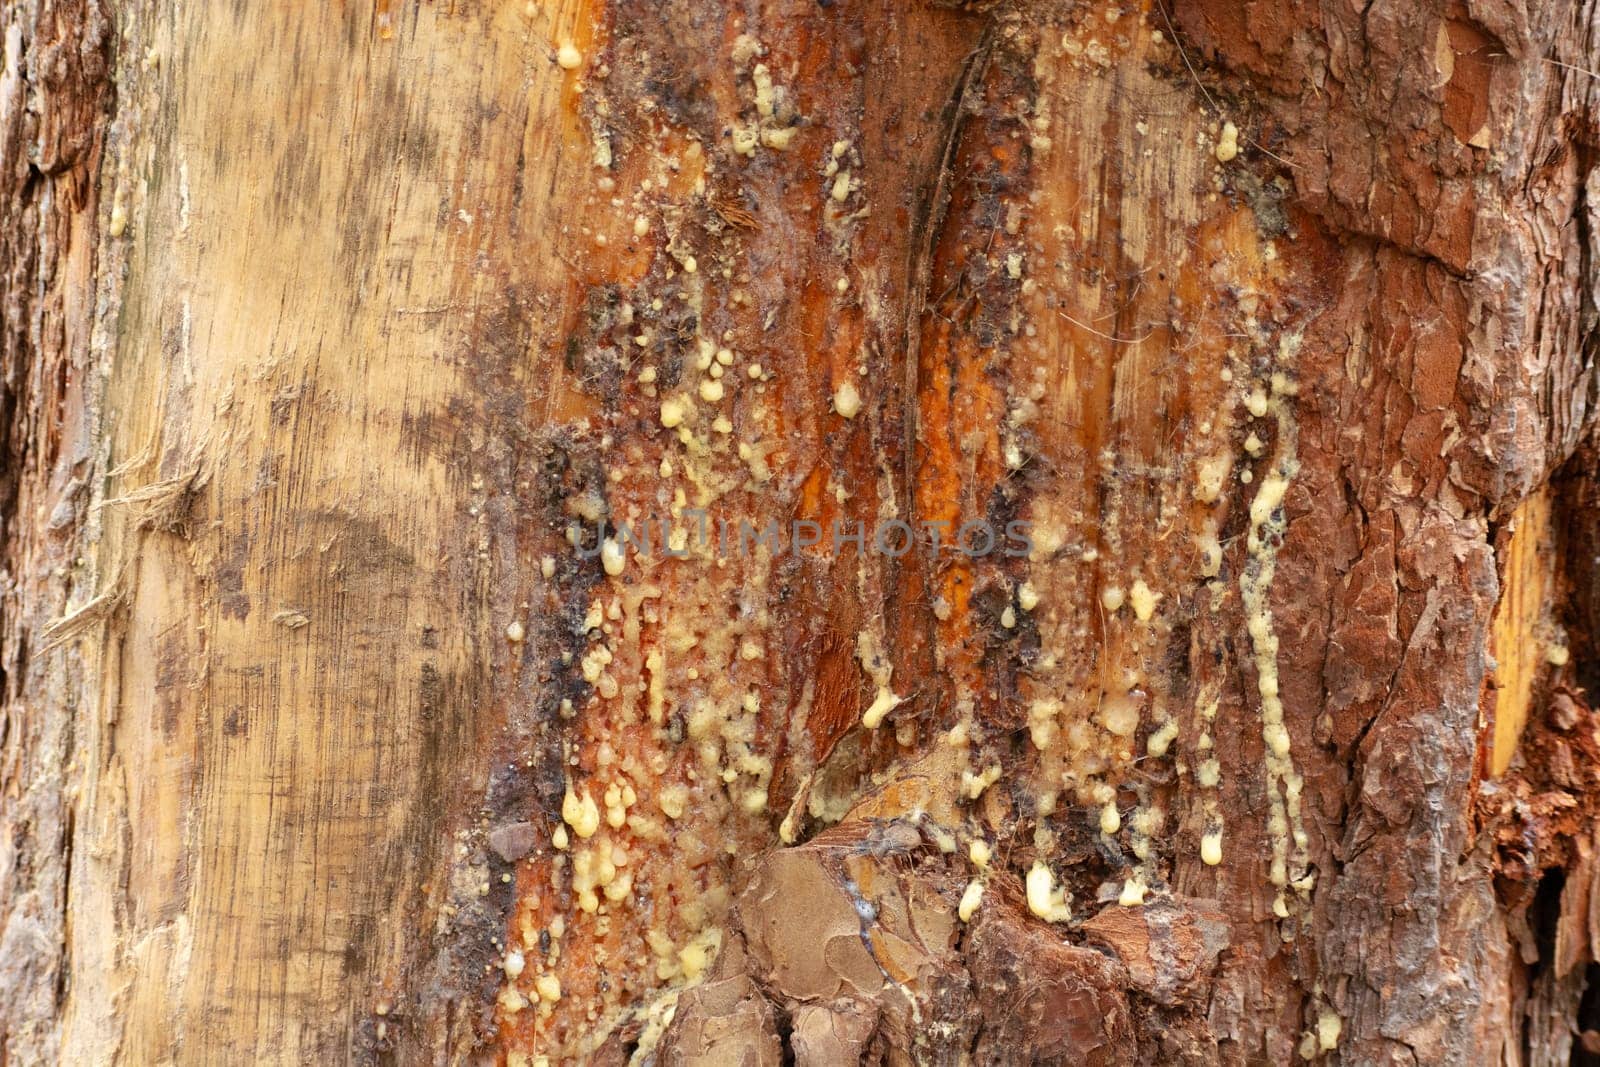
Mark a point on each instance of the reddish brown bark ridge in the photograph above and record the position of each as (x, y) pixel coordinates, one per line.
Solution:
(1270, 326)
(55, 99)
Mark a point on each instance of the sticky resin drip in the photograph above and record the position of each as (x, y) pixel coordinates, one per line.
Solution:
(1208, 773)
(1285, 826)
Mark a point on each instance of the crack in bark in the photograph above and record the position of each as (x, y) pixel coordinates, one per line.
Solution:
(928, 224)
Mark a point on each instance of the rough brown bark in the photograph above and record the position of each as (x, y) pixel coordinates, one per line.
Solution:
(1274, 321)
(55, 102)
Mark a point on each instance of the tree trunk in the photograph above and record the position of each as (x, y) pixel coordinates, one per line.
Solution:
(350, 354)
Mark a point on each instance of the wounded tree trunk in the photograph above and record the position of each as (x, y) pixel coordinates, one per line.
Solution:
(1260, 336)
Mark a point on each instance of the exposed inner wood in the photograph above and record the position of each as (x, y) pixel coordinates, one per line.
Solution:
(1524, 643)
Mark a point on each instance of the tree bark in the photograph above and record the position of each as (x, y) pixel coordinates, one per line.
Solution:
(1261, 335)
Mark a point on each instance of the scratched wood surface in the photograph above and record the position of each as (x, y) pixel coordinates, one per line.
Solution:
(334, 334)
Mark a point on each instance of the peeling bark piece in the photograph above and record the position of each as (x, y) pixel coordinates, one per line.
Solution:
(859, 924)
(930, 785)
(1165, 945)
(1044, 1001)
(804, 931)
(829, 1035)
(617, 1049)
(1573, 931)
(513, 841)
(726, 1022)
